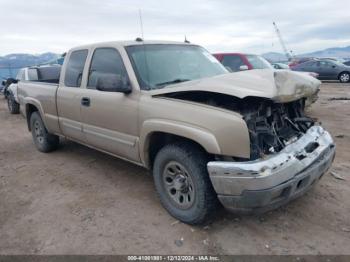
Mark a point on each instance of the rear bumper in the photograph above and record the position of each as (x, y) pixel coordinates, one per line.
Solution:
(258, 186)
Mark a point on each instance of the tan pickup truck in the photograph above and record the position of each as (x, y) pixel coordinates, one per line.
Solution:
(209, 136)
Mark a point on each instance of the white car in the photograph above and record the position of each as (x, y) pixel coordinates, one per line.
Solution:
(46, 73)
(24, 74)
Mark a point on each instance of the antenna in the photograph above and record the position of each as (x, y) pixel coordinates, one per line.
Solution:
(186, 41)
(141, 24)
(144, 48)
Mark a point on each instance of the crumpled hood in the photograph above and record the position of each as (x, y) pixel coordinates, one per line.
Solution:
(277, 85)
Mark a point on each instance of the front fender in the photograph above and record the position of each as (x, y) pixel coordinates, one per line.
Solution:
(197, 134)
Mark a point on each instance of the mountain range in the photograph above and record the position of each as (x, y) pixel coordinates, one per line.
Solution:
(22, 60)
(337, 52)
(10, 64)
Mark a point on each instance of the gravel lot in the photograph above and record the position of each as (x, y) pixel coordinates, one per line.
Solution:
(80, 201)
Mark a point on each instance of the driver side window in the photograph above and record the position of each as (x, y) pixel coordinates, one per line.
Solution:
(106, 63)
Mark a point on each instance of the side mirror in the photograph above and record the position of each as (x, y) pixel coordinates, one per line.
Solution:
(334, 66)
(113, 83)
(243, 68)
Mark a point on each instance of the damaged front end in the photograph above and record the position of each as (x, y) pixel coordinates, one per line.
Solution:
(264, 184)
(289, 153)
(272, 126)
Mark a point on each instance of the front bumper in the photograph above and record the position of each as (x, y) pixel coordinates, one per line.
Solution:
(261, 185)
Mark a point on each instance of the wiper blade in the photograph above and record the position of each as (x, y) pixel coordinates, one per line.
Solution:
(175, 81)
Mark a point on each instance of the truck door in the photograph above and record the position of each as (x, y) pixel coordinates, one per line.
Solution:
(110, 118)
(69, 96)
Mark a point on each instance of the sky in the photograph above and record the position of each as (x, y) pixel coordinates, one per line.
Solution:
(39, 26)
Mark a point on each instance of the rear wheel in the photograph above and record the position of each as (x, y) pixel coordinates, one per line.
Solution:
(183, 184)
(12, 105)
(44, 141)
(344, 77)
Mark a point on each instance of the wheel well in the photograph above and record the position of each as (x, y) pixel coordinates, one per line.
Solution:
(343, 72)
(30, 109)
(158, 140)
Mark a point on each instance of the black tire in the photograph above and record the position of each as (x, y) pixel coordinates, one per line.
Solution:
(344, 77)
(44, 141)
(12, 105)
(197, 207)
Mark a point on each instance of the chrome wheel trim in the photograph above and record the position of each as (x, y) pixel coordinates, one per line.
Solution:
(344, 77)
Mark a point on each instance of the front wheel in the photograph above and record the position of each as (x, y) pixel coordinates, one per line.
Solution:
(183, 184)
(344, 77)
(43, 140)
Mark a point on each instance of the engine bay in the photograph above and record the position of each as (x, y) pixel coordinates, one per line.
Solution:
(272, 126)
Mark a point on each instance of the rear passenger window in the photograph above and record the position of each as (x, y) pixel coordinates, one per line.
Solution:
(106, 62)
(75, 68)
(33, 74)
(233, 62)
(20, 75)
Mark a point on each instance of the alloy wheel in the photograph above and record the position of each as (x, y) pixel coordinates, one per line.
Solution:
(344, 77)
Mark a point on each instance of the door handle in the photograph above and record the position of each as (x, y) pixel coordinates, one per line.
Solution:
(85, 101)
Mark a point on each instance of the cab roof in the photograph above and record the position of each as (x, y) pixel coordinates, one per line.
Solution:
(129, 43)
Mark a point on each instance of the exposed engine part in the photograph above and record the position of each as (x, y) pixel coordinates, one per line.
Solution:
(271, 125)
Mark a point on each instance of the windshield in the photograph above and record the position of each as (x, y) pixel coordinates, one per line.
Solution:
(336, 62)
(258, 62)
(159, 65)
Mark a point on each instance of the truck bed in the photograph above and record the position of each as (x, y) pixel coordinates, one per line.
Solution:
(43, 95)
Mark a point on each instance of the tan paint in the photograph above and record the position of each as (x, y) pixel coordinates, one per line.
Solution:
(220, 132)
(43, 97)
(280, 85)
(68, 106)
(121, 125)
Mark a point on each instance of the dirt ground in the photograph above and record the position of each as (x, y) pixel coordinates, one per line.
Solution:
(80, 201)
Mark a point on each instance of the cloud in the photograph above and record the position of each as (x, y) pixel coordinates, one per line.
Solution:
(38, 26)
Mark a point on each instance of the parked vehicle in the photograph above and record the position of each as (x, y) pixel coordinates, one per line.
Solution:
(238, 61)
(36, 73)
(280, 66)
(6, 83)
(299, 60)
(326, 70)
(207, 135)
(335, 59)
(2, 86)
